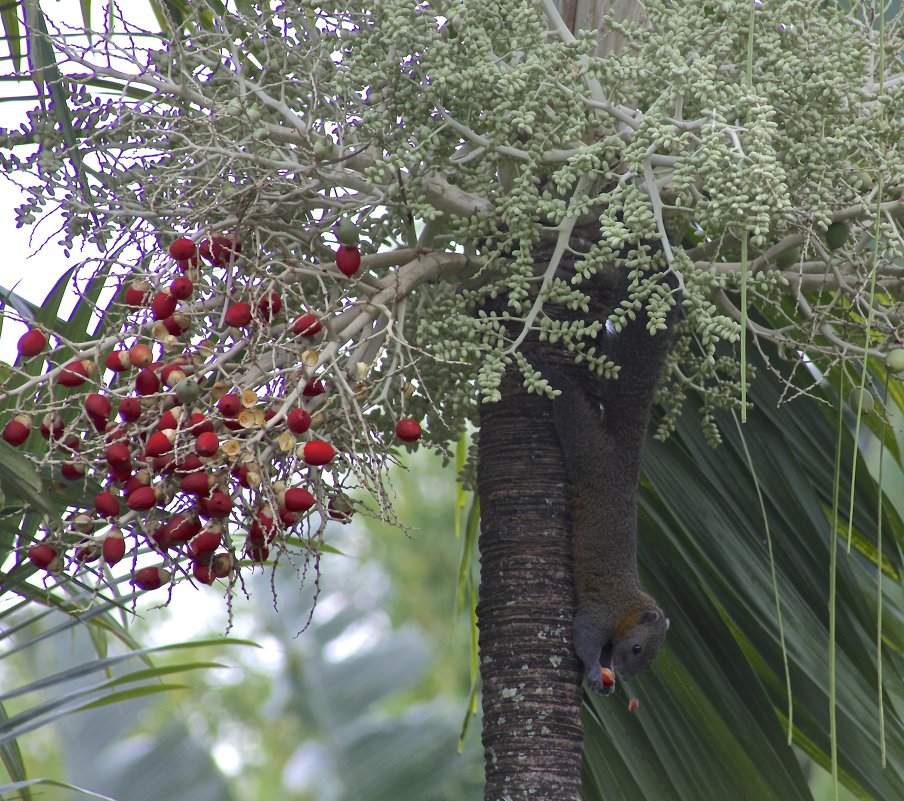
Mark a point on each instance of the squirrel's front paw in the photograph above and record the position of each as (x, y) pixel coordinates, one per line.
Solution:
(602, 682)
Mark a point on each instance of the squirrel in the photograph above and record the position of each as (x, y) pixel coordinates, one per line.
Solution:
(618, 627)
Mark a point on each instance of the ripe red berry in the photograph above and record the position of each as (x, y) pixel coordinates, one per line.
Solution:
(230, 405)
(269, 306)
(176, 531)
(136, 294)
(176, 324)
(172, 374)
(219, 504)
(298, 421)
(198, 424)
(147, 382)
(182, 249)
(203, 572)
(106, 504)
(118, 454)
(633, 705)
(97, 405)
(114, 547)
(408, 429)
(348, 260)
(163, 305)
(313, 388)
(207, 444)
(44, 556)
(160, 442)
(298, 499)
(238, 315)
(140, 355)
(31, 343)
(204, 544)
(72, 471)
(181, 288)
(51, 426)
(607, 677)
(318, 452)
(306, 325)
(17, 430)
(118, 361)
(75, 373)
(151, 578)
(142, 499)
(130, 409)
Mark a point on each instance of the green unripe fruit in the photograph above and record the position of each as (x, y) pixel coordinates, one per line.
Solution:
(868, 403)
(187, 390)
(323, 148)
(347, 233)
(894, 360)
(787, 258)
(837, 234)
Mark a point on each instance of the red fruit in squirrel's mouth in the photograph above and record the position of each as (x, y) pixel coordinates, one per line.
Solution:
(318, 452)
(408, 429)
(348, 260)
(31, 343)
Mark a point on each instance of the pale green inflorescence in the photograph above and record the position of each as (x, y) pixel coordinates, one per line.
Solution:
(657, 160)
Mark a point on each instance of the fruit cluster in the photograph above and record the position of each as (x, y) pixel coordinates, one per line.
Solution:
(189, 455)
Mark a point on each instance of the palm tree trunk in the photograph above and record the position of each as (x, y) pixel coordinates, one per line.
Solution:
(531, 682)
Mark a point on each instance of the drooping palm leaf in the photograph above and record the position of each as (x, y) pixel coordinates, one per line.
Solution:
(714, 709)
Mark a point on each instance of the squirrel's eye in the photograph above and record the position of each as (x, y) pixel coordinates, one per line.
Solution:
(636, 648)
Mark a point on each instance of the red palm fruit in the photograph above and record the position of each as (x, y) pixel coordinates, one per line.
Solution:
(189, 464)
(163, 305)
(269, 306)
(408, 429)
(72, 471)
(204, 544)
(176, 531)
(113, 548)
(169, 419)
(607, 677)
(118, 454)
(182, 287)
(306, 325)
(17, 430)
(176, 324)
(72, 443)
(140, 355)
(182, 248)
(136, 294)
(118, 361)
(221, 564)
(256, 552)
(185, 265)
(219, 504)
(224, 250)
(348, 259)
(172, 374)
(313, 388)
(207, 444)
(238, 315)
(44, 556)
(339, 508)
(147, 382)
(298, 421)
(160, 443)
(130, 409)
(263, 528)
(75, 373)
(298, 499)
(244, 473)
(118, 475)
(98, 405)
(140, 479)
(151, 578)
(203, 572)
(106, 504)
(198, 424)
(142, 499)
(230, 405)
(31, 343)
(87, 551)
(287, 518)
(318, 452)
(52, 426)
(197, 483)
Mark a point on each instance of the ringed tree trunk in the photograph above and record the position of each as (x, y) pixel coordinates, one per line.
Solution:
(531, 681)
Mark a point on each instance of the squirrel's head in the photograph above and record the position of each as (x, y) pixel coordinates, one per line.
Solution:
(637, 640)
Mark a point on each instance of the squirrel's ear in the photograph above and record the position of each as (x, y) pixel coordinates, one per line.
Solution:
(650, 616)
